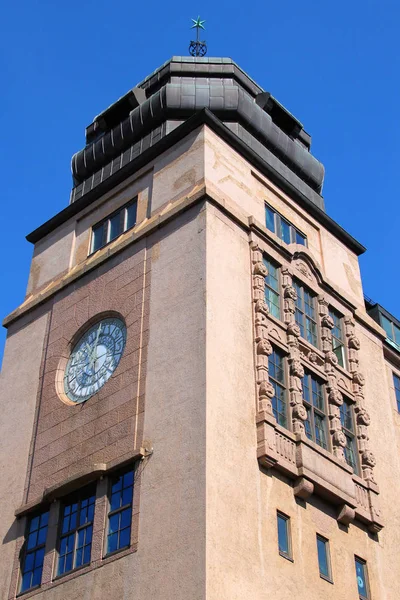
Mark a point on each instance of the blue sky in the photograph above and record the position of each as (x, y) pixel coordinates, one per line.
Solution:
(335, 66)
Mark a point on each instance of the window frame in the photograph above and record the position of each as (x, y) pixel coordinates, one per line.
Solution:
(363, 563)
(34, 550)
(110, 513)
(288, 535)
(338, 318)
(299, 285)
(293, 230)
(325, 541)
(350, 433)
(313, 410)
(267, 262)
(281, 384)
(77, 497)
(396, 389)
(105, 224)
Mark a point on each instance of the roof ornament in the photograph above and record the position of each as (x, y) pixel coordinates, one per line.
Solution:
(198, 48)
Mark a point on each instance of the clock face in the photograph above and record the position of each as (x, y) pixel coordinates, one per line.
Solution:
(94, 359)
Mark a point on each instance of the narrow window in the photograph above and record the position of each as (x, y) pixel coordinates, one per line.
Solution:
(270, 218)
(97, 237)
(75, 542)
(337, 337)
(305, 313)
(314, 401)
(130, 216)
(284, 541)
(300, 238)
(362, 581)
(396, 381)
(120, 513)
(285, 231)
(276, 367)
(32, 564)
(387, 326)
(324, 561)
(114, 227)
(272, 288)
(347, 421)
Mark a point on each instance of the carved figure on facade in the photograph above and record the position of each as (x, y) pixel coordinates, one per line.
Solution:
(263, 348)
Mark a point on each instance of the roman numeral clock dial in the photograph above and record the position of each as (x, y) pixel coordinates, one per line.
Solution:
(94, 359)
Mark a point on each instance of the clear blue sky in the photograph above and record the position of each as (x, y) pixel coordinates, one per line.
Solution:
(334, 65)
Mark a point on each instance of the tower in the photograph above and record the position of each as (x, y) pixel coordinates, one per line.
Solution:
(193, 390)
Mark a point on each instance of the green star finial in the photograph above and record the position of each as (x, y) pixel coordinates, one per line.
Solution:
(198, 23)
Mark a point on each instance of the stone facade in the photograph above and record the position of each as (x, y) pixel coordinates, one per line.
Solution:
(192, 404)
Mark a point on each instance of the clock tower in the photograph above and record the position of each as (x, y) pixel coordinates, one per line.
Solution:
(193, 390)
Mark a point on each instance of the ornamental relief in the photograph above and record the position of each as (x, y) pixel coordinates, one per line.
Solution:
(324, 361)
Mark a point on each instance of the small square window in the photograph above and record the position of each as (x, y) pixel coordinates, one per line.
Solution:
(324, 561)
(362, 580)
(284, 540)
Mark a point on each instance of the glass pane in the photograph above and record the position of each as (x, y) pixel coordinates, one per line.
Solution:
(320, 436)
(361, 579)
(299, 318)
(307, 425)
(126, 518)
(270, 219)
(39, 557)
(130, 218)
(37, 577)
(90, 515)
(86, 554)
(114, 227)
(279, 404)
(115, 501)
(300, 238)
(114, 523)
(26, 581)
(272, 299)
(323, 557)
(311, 331)
(317, 394)
(32, 538)
(283, 538)
(97, 237)
(285, 231)
(34, 525)
(79, 557)
(396, 334)
(124, 537)
(338, 350)
(112, 542)
(29, 561)
(387, 326)
(117, 485)
(127, 496)
(68, 562)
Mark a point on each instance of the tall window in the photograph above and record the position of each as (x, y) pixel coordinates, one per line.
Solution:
(276, 367)
(337, 337)
(324, 561)
(120, 513)
(348, 428)
(114, 225)
(396, 381)
(284, 538)
(305, 313)
(362, 580)
(32, 564)
(314, 402)
(283, 228)
(272, 288)
(75, 542)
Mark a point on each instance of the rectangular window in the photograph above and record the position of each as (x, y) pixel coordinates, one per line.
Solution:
(324, 560)
(276, 368)
(337, 337)
(305, 314)
(348, 428)
(285, 230)
(396, 381)
(284, 540)
(313, 396)
(362, 580)
(75, 543)
(272, 288)
(120, 513)
(32, 564)
(114, 225)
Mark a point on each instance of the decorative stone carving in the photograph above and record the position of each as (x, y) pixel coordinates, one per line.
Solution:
(313, 357)
(327, 321)
(263, 348)
(290, 292)
(297, 369)
(335, 397)
(339, 439)
(293, 329)
(354, 342)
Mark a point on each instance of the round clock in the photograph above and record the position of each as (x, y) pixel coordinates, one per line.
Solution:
(94, 359)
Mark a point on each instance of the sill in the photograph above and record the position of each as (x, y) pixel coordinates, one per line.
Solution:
(31, 589)
(286, 556)
(76, 570)
(325, 578)
(114, 552)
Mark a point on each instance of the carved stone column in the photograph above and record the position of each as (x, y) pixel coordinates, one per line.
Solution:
(265, 390)
(335, 397)
(362, 417)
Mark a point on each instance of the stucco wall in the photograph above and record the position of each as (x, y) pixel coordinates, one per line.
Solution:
(19, 381)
